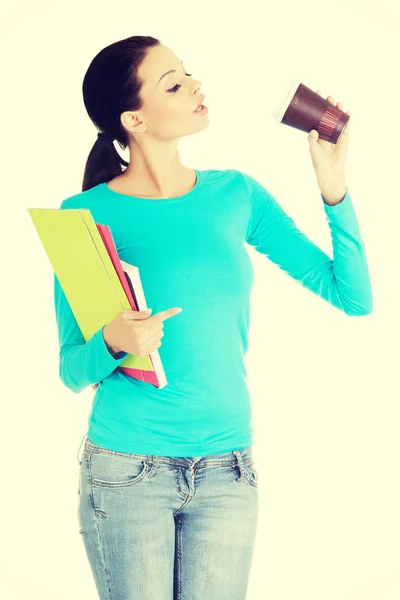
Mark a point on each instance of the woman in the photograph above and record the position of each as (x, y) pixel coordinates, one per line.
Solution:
(168, 486)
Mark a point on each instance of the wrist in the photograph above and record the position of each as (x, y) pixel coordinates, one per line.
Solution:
(110, 347)
(333, 191)
(333, 197)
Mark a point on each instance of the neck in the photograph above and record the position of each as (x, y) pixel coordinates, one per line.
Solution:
(154, 172)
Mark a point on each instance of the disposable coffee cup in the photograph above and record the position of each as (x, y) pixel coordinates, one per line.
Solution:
(302, 108)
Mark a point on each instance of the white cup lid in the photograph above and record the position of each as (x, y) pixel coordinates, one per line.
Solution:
(284, 97)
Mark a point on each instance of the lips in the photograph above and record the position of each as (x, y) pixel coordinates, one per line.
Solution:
(201, 102)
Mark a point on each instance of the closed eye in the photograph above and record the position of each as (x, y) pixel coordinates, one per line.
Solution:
(177, 86)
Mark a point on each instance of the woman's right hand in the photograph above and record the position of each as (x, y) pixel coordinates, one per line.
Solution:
(136, 332)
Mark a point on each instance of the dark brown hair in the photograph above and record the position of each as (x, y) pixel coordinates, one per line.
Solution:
(110, 87)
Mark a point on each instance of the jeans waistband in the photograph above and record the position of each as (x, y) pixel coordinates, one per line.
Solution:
(224, 458)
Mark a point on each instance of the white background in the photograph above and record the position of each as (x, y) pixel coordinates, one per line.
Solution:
(325, 387)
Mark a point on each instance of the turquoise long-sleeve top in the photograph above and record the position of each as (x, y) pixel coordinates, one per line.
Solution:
(191, 253)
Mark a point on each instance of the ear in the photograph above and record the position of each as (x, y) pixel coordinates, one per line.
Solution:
(133, 122)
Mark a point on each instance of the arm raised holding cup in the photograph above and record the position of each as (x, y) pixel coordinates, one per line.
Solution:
(327, 126)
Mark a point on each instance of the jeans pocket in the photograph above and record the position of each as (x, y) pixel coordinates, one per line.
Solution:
(113, 470)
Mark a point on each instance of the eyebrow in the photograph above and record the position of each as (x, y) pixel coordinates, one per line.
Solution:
(167, 73)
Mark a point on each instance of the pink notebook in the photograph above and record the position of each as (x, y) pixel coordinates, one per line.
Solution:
(155, 377)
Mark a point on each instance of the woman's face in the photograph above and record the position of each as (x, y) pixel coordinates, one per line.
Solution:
(168, 99)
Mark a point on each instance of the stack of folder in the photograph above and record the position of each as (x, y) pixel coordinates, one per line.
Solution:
(97, 284)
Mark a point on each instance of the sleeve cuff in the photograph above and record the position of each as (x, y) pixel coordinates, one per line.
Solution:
(340, 207)
(106, 357)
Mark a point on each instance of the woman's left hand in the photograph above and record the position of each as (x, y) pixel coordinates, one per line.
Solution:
(329, 159)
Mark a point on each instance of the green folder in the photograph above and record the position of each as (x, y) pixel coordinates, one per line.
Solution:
(84, 269)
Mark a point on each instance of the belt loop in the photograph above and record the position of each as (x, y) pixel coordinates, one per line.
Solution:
(239, 459)
(154, 466)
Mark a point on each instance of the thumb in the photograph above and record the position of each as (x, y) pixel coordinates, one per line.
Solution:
(313, 135)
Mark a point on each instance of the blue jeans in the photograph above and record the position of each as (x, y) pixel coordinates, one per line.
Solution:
(164, 528)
